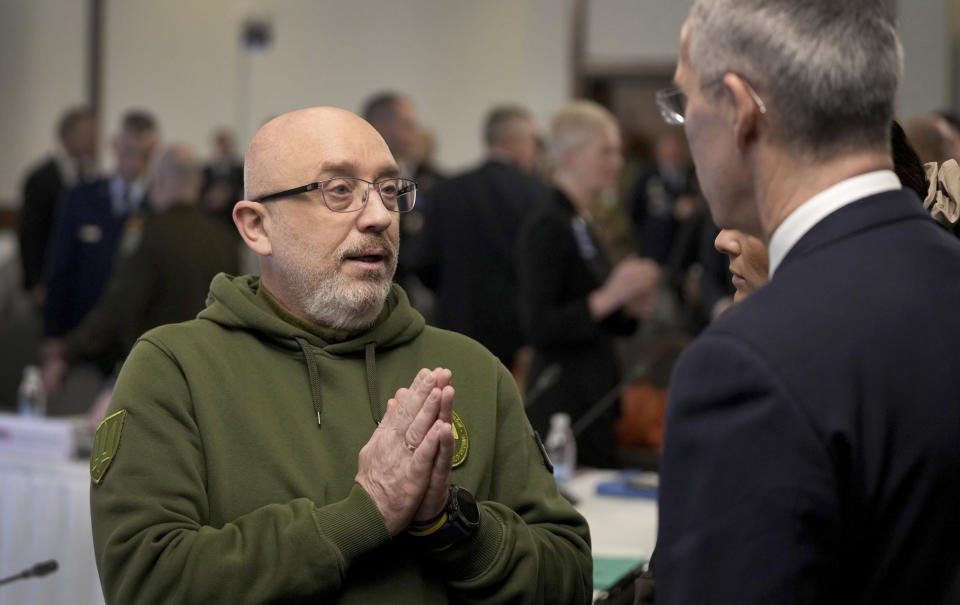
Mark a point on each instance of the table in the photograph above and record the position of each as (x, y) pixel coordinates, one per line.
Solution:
(623, 531)
(45, 514)
(619, 527)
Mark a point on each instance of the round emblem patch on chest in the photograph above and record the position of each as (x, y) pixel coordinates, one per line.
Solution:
(461, 441)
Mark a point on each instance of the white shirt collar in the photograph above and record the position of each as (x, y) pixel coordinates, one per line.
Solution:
(823, 204)
(133, 201)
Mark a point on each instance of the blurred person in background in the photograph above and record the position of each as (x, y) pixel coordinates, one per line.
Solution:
(91, 224)
(395, 118)
(223, 178)
(573, 300)
(164, 279)
(95, 221)
(393, 115)
(934, 138)
(72, 163)
(664, 196)
(422, 158)
(467, 253)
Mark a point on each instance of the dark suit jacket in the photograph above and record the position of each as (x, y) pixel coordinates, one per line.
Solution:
(559, 267)
(42, 190)
(467, 253)
(82, 249)
(812, 450)
(652, 204)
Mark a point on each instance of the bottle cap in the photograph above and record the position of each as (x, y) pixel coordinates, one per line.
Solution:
(560, 420)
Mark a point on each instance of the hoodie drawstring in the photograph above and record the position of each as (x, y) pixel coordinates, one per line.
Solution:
(314, 373)
(377, 410)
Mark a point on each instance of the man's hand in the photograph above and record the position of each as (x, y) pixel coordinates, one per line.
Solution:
(435, 499)
(632, 278)
(396, 466)
(53, 366)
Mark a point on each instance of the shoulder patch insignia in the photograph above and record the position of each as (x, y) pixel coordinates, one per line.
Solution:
(543, 452)
(105, 445)
(461, 441)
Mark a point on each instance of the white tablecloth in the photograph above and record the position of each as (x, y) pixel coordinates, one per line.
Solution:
(619, 527)
(45, 514)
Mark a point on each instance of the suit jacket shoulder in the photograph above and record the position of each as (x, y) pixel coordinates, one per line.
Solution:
(803, 421)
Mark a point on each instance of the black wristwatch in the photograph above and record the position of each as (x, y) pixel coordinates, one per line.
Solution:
(459, 521)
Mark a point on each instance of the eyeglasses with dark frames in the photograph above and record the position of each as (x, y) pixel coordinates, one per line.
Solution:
(348, 194)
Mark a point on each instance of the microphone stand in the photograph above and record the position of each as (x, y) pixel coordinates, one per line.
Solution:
(609, 398)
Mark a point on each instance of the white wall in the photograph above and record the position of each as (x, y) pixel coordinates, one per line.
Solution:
(925, 27)
(646, 31)
(182, 59)
(42, 72)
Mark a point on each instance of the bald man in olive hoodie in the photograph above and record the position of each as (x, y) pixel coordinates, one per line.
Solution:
(274, 449)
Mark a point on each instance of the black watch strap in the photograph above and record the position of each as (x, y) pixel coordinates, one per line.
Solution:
(459, 521)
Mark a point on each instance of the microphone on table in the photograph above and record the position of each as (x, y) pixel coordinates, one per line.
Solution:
(548, 377)
(40, 569)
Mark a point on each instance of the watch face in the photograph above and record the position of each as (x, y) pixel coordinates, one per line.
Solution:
(467, 505)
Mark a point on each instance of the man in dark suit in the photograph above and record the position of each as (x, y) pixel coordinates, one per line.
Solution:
(468, 244)
(223, 178)
(164, 279)
(90, 225)
(93, 222)
(811, 451)
(393, 115)
(72, 164)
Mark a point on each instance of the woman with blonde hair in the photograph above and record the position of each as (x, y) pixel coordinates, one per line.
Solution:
(573, 299)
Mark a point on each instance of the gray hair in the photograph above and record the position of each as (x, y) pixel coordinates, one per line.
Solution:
(575, 125)
(503, 121)
(828, 69)
(178, 165)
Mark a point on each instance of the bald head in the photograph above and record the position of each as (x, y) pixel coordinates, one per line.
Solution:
(332, 267)
(301, 147)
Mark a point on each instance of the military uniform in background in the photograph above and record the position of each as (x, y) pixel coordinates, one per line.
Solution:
(162, 276)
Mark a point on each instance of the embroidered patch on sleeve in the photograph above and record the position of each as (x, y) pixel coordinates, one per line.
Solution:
(105, 445)
(461, 441)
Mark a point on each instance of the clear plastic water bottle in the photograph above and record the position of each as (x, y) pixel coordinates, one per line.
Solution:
(561, 447)
(31, 398)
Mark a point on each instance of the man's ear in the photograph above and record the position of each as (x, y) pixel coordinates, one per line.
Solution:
(251, 219)
(746, 118)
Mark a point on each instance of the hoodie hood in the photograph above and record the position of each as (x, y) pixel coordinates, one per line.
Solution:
(233, 303)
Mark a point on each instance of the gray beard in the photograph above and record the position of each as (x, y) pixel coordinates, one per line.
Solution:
(332, 300)
(336, 305)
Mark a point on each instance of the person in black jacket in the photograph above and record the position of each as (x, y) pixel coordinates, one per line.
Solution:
(811, 451)
(72, 164)
(467, 249)
(573, 300)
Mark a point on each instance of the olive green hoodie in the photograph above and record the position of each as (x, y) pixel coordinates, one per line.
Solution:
(228, 478)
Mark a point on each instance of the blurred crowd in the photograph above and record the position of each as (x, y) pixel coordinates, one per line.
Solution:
(584, 268)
